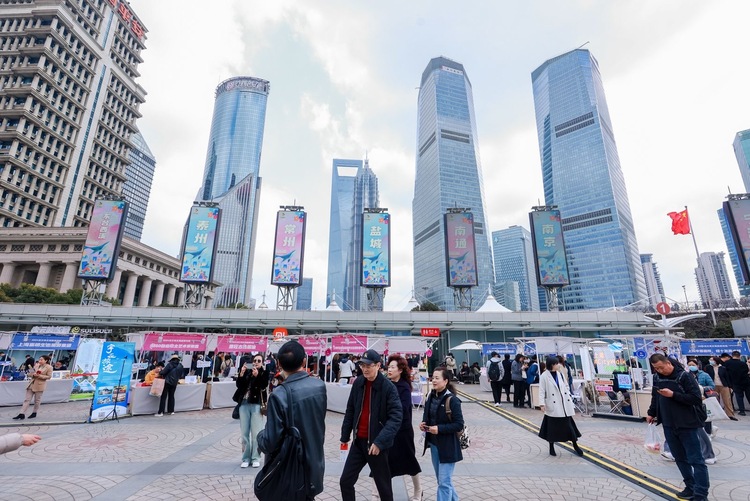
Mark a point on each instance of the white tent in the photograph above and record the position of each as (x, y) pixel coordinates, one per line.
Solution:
(491, 304)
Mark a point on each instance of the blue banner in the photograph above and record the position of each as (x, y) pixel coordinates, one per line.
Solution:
(199, 247)
(376, 249)
(713, 347)
(113, 381)
(549, 248)
(25, 341)
(500, 348)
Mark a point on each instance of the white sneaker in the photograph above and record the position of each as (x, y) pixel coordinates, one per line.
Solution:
(256, 464)
(497, 405)
(667, 456)
(171, 413)
(244, 464)
(710, 461)
(714, 429)
(159, 414)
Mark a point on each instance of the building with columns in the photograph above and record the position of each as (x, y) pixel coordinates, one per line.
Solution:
(50, 257)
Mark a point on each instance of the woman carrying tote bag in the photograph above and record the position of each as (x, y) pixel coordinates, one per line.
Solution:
(558, 408)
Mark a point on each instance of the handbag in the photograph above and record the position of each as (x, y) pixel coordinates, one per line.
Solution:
(157, 388)
(713, 410)
(236, 411)
(463, 436)
(263, 403)
(284, 474)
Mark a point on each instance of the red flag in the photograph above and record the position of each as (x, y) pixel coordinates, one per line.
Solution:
(680, 222)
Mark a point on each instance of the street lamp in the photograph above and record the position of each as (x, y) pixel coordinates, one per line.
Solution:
(687, 305)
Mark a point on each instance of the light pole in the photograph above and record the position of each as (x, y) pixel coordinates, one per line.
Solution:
(684, 291)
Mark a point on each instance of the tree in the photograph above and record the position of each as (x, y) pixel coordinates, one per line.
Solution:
(426, 306)
(28, 293)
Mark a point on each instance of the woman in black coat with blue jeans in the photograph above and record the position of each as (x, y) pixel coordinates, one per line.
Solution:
(441, 432)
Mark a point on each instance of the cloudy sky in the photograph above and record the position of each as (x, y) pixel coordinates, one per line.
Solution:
(343, 79)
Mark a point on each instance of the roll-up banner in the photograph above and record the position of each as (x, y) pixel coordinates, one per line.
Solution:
(376, 249)
(113, 381)
(549, 248)
(289, 248)
(199, 247)
(460, 251)
(99, 256)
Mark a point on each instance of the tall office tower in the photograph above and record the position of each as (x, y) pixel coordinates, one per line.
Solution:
(68, 106)
(733, 258)
(304, 295)
(137, 189)
(741, 147)
(582, 177)
(449, 174)
(712, 278)
(514, 261)
(508, 294)
(340, 233)
(654, 287)
(231, 179)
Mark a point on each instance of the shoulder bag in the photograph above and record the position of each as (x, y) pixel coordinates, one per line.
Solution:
(463, 436)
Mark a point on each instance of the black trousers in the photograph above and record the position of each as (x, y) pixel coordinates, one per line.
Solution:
(740, 392)
(167, 393)
(497, 391)
(505, 385)
(355, 461)
(519, 393)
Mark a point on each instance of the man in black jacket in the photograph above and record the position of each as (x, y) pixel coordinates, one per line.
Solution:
(738, 376)
(674, 400)
(172, 373)
(309, 404)
(374, 414)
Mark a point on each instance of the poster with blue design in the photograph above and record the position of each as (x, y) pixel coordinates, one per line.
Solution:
(199, 248)
(460, 250)
(376, 249)
(113, 381)
(549, 248)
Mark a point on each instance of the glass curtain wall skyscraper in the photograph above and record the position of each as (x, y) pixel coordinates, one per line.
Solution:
(365, 196)
(448, 174)
(654, 287)
(231, 179)
(137, 188)
(741, 147)
(582, 176)
(713, 280)
(514, 261)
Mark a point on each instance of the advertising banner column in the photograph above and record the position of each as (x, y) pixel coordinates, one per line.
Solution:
(113, 381)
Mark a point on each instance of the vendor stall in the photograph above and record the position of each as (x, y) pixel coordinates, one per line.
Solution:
(14, 392)
(188, 397)
(219, 394)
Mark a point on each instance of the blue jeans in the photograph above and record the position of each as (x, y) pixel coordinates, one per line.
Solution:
(250, 422)
(686, 449)
(444, 474)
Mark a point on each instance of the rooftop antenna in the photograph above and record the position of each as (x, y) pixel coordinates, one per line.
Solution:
(585, 43)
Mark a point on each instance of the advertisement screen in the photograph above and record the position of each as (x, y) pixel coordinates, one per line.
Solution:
(460, 253)
(199, 247)
(737, 214)
(549, 248)
(376, 250)
(99, 257)
(289, 248)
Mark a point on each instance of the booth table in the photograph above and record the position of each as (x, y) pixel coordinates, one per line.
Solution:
(188, 397)
(642, 402)
(484, 382)
(14, 392)
(219, 394)
(338, 396)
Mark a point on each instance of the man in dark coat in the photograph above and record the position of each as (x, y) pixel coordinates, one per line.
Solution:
(738, 376)
(674, 400)
(505, 382)
(374, 414)
(172, 373)
(309, 404)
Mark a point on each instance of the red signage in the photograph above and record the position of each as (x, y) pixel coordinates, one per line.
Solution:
(279, 333)
(236, 344)
(663, 308)
(174, 341)
(430, 332)
(127, 16)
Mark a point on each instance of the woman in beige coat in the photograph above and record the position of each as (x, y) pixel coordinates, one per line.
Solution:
(558, 408)
(13, 441)
(39, 376)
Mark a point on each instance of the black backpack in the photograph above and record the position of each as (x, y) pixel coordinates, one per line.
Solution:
(494, 371)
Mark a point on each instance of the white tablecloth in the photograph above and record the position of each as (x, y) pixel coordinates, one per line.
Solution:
(188, 397)
(338, 396)
(13, 392)
(219, 394)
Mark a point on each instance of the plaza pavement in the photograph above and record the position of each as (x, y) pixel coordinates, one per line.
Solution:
(196, 456)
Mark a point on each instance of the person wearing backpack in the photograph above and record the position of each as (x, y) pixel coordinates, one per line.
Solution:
(495, 374)
(676, 403)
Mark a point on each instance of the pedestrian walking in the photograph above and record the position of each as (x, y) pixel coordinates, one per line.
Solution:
(12, 441)
(251, 394)
(450, 364)
(373, 414)
(171, 373)
(719, 374)
(558, 408)
(40, 374)
(495, 374)
(739, 376)
(675, 401)
(442, 420)
(516, 374)
(506, 381)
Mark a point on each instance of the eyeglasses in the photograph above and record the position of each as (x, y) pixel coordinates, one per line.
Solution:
(258, 361)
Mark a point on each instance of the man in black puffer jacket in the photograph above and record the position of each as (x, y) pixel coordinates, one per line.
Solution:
(172, 373)
(674, 399)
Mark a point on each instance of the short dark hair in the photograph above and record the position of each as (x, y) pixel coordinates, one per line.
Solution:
(736, 353)
(657, 357)
(291, 356)
(493, 354)
(725, 354)
(507, 356)
(552, 361)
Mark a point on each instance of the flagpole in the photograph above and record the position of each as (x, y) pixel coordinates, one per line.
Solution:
(700, 263)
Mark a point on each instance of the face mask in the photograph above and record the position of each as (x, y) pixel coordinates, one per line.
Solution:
(693, 368)
(712, 362)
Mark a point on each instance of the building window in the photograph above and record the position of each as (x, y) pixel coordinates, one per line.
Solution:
(17, 247)
(64, 248)
(36, 248)
(51, 248)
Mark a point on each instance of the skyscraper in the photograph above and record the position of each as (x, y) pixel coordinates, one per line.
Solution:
(449, 174)
(354, 187)
(137, 189)
(514, 261)
(582, 177)
(741, 147)
(70, 102)
(304, 295)
(508, 294)
(231, 179)
(654, 287)
(733, 257)
(712, 278)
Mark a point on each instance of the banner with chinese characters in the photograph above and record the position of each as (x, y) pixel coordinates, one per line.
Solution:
(174, 341)
(113, 381)
(288, 253)
(376, 249)
(242, 344)
(99, 256)
(460, 252)
(500, 348)
(737, 217)
(712, 347)
(199, 248)
(549, 248)
(348, 343)
(312, 344)
(51, 342)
